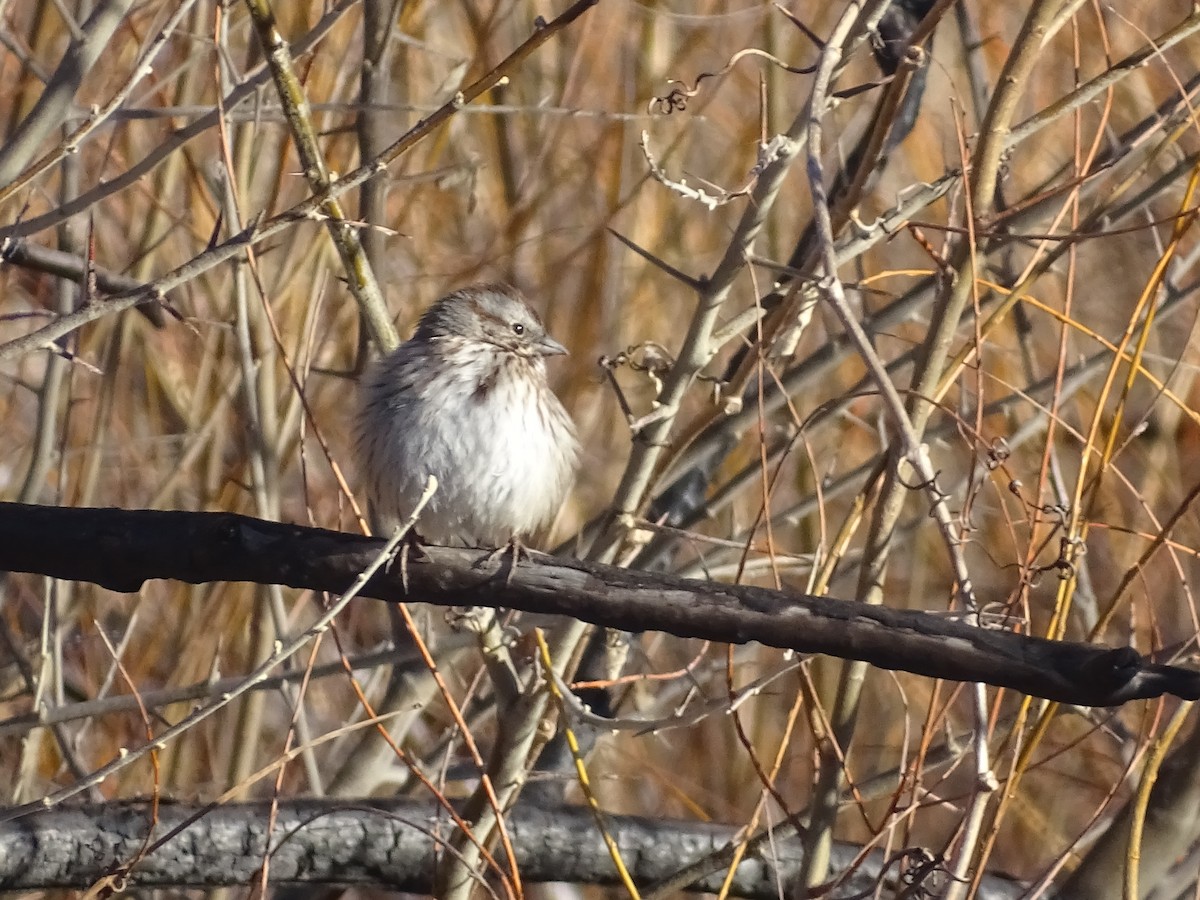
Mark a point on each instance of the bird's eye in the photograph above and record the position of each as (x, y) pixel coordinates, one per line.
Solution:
(518, 328)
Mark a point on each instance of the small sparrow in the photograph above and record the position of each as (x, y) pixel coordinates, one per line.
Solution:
(466, 400)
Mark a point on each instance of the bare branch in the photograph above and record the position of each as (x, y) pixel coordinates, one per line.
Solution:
(384, 843)
(121, 549)
(51, 107)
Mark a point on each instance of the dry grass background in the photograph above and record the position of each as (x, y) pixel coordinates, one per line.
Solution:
(522, 185)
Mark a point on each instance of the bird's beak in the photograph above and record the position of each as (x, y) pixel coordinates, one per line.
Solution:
(548, 346)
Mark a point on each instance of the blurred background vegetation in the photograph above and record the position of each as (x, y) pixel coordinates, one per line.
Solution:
(241, 398)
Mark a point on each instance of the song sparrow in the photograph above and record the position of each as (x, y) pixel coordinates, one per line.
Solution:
(466, 399)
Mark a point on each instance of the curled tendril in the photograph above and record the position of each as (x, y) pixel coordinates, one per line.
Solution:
(647, 356)
(680, 94)
(998, 453)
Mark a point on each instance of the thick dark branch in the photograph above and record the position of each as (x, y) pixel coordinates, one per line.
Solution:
(121, 549)
(386, 844)
(66, 265)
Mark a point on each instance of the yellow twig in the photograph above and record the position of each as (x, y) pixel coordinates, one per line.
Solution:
(581, 770)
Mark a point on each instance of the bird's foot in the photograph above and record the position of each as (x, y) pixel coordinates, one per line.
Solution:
(412, 543)
(514, 550)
